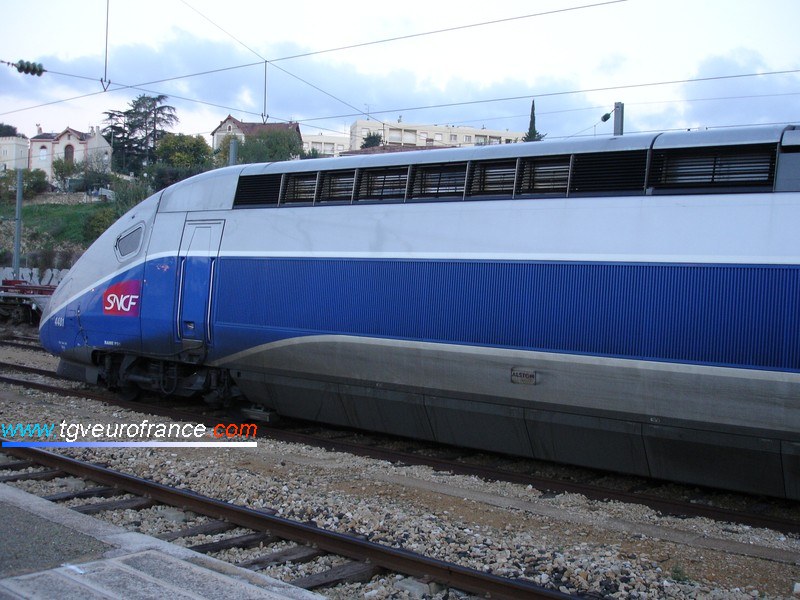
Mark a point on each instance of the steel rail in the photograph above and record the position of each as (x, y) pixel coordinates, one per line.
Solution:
(6, 366)
(23, 345)
(393, 559)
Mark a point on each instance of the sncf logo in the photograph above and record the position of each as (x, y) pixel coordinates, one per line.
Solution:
(122, 299)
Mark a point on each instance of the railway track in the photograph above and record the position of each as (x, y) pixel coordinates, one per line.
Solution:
(364, 559)
(22, 341)
(24, 345)
(756, 512)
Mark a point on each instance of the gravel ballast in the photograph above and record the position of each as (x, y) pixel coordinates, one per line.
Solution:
(566, 542)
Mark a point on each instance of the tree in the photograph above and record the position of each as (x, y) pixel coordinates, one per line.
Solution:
(313, 153)
(33, 182)
(533, 135)
(223, 152)
(64, 170)
(118, 137)
(269, 146)
(372, 140)
(127, 194)
(134, 133)
(9, 131)
(183, 151)
(96, 171)
(149, 119)
(179, 156)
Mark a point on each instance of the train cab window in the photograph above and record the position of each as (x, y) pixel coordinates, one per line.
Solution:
(439, 181)
(128, 243)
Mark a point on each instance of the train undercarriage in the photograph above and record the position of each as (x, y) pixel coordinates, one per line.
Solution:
(130, 375)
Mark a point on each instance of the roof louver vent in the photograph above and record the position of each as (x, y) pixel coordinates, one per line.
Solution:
(258, 190)
(704, 168)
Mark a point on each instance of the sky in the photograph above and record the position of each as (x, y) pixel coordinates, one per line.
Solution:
(675, 64)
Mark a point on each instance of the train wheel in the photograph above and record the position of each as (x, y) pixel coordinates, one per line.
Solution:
(20, 315)
(129, 392)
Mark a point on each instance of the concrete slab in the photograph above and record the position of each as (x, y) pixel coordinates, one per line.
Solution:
(77, 556)
(55, 544)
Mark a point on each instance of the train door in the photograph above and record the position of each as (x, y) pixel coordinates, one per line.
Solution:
(197, 260)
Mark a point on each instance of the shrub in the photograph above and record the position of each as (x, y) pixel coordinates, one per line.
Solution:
(101, 220)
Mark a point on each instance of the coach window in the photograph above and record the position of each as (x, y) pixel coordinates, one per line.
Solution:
(128, 243)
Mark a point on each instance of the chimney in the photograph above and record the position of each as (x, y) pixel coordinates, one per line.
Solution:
(38, 129)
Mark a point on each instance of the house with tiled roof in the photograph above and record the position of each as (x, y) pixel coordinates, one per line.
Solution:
(70, 145)
(243, 130)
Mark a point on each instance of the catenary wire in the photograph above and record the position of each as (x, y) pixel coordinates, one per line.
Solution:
(562, 93)
(329, 50)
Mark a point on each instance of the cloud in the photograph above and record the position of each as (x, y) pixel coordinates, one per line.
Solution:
(746, 100)
(328, 92)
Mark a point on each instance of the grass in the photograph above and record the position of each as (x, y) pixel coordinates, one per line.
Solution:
(57, 223)
(53, 235)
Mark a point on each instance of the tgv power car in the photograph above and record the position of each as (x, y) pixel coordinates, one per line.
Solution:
(629, 303)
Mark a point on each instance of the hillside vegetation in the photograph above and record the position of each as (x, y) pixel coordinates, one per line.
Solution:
(54, 233)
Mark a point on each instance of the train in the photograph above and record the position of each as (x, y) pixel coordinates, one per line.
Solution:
(628, 303)
(22, 301)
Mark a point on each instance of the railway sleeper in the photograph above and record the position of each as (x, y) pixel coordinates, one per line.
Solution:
(349, 572)
(296, 554)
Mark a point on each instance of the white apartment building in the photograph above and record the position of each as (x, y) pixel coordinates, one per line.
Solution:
(326, 144)
(406, 134)
(13, 153)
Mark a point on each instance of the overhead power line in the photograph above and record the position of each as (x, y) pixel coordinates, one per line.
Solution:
(560, 93)
(375, 42)
(106, 83)
(228, 33)
(448, 30)
(434, 106)
(358, 112)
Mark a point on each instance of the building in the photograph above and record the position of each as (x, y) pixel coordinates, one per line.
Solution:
(13, 152)
(325, 144)
(243, 130)
(71, 146)
(442, 136)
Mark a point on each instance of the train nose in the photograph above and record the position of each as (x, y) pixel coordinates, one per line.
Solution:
(54, 327)
(49, 337)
